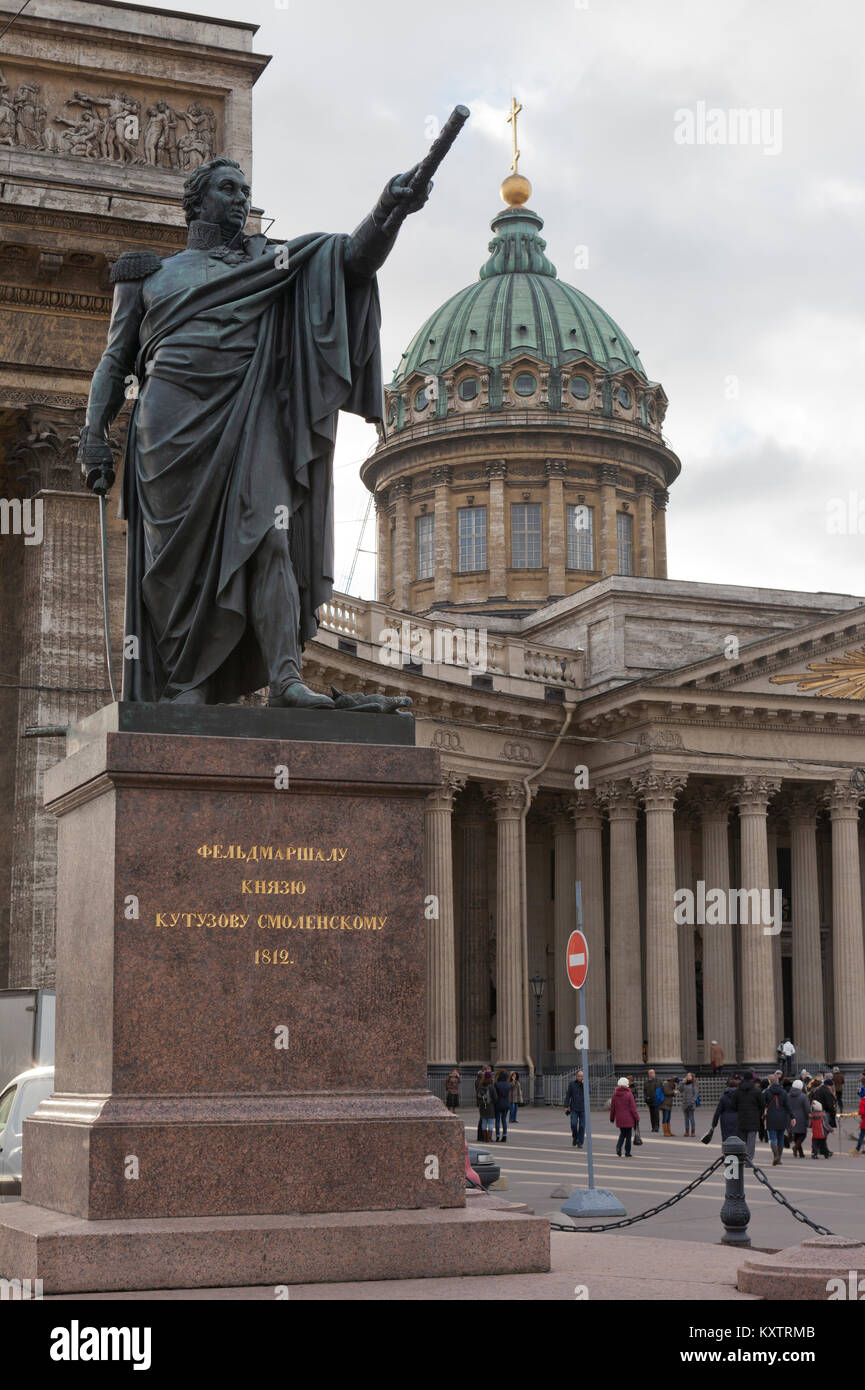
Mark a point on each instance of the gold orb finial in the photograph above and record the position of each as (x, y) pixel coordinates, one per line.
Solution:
(516, 190)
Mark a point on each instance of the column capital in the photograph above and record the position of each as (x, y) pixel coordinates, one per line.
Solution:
(753, 793)
(442, 475)
(645, 485)
(803, 806)
(442, 799)
(556, 468)
(560, 809)
(618, 799)
(715, 801)
(585, 810)
(507, 799)
(608, 476)
(497, 468)
(381, 500)
(401, 487)
(843, 800)
(658, 789)
(662, 497)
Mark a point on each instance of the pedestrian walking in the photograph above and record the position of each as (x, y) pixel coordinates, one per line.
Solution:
(786, 1054)
(575, 1106)
(777, 1119)
(516, 1096)
(860, 1142)
(690, 1101)
(825, 1094)
(716, 1056)
(651, 1086)
(838, 1088)
(671, 1090)
(748, 1104)
(725, 1111)
(486, 1095)
(623, 1112)
(800, 1109)
(452, 1090)
(503, 1104)
(818, 1132)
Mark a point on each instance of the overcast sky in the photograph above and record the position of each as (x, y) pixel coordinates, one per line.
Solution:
(736, 269)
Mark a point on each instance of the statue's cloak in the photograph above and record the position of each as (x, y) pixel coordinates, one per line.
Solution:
(243, 376)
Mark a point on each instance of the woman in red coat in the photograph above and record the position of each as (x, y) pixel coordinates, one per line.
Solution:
(623, 1112)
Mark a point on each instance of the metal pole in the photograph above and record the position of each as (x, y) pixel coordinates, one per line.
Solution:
(586, 1096)
(539, 1066)
(735, 1214)
(584, 1034)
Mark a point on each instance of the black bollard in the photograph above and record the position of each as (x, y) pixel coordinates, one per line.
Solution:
(734, 1213)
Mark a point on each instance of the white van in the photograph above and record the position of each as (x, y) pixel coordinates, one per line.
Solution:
(18, 1100)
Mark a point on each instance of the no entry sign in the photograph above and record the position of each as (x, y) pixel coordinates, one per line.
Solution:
(577, 959)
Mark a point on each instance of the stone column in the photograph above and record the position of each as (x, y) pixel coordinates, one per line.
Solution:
(382, 539)
(402, 575)
(441, 478)
(809, 1032)
(441, 1010)
(497, 537)
(772, 832)
(662, 497)
(644, 541)
(687, 974)
(609, 557)
(556, 470)
(590, 871)
(565, 920)
(474, 971)
(719, 991)
(626, 1007)
(848, 956)
(507, 800)
(658, 791)
(759, 1025)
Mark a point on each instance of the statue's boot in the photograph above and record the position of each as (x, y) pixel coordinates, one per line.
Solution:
(299, 696)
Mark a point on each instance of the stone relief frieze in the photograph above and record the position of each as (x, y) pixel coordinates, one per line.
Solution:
(110, 126)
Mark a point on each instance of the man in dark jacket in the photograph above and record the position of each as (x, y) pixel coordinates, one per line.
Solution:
(778, 1117)
(800, 1109)
(650, 1086)
(748, 1104)
(575, 1106)
(725, 1111)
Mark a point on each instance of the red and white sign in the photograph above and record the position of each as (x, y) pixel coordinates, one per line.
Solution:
(577, 959)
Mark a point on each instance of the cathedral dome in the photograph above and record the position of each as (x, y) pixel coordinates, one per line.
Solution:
(520, 338)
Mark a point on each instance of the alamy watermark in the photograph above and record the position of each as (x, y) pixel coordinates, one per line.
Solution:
(442, 646)
(22, 518)
(712, 125)
(721, 907)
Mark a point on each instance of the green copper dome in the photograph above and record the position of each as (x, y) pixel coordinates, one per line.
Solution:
(518, 305)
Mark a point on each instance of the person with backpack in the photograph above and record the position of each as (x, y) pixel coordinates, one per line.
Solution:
(777, 1118)
(650, 1098)
(818, 1132)
(575, 1106)
(690, 1100)
(486, 1097)
(800, 1110)
(623, 1112)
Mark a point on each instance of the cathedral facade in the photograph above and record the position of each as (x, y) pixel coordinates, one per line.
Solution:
(682, 759)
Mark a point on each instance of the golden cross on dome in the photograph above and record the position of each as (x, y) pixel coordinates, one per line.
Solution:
(512, 121)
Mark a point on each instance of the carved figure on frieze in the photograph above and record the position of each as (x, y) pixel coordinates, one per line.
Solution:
(83, 137)
(7, 115)
(120, 124)
(30, 117)
(197, 146)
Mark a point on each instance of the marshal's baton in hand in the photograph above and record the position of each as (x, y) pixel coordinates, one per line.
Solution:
(428, 165)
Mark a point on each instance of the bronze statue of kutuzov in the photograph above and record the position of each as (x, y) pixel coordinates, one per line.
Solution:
(238, 354)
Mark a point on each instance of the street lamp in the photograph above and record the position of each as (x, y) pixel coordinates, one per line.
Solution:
(537, 983)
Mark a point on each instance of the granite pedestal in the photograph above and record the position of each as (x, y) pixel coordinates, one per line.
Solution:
(240, 1077)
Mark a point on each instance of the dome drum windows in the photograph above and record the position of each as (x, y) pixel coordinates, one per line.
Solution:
(525, 384)
(580, 387)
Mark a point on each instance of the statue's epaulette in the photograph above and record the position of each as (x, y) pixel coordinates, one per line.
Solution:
(134, 265)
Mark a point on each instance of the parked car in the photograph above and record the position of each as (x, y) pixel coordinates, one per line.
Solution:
(486, 1170)
(18, 1100)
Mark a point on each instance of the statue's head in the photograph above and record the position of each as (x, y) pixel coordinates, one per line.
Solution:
(217, 192)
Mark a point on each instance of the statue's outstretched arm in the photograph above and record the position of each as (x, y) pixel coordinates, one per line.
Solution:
(371, 242)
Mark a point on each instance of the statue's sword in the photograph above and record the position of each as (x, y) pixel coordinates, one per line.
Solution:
(427, 167)
(103, 531)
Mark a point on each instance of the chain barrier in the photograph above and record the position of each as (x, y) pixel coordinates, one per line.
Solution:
(779, 1197)
(651, 1211)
